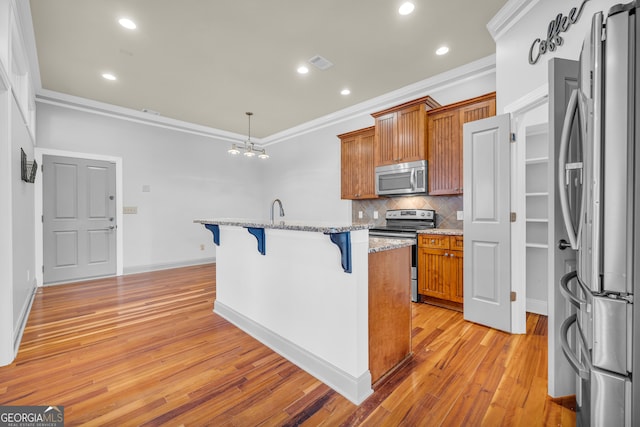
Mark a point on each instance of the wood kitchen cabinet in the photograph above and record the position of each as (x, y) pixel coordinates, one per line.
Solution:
(440, 267)
(357, 164)
(444, 141)
(400, 132)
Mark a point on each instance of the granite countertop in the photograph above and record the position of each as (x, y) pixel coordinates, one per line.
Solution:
(442, 231)
(313, 226)
(379, 244)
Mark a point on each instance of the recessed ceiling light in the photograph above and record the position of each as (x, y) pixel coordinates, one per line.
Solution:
(127, 23)
(406, 8)
(345, 92)
(442, 50)
(108, 76)
(302, 70)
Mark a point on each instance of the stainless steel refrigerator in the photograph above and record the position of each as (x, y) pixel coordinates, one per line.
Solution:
(598, 184)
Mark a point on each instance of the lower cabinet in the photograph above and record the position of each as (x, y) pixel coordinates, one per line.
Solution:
(440, 267)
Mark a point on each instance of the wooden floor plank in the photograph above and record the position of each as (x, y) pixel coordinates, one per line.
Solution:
(146, 349)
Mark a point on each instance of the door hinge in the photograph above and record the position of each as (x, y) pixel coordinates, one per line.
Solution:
(513, 296)
(512, 217)
(43, 268)
(513, 137)
(42, 218)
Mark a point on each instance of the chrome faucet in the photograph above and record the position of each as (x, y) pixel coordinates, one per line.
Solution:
(273, 204)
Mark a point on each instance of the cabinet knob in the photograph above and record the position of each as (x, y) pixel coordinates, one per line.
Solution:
(433, 241)
(452, 255)
(446, 254)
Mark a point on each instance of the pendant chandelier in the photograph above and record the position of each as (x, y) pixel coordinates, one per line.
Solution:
(248, 148)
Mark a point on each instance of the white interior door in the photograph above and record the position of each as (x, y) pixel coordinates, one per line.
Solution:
(487, 231)
(79, 218)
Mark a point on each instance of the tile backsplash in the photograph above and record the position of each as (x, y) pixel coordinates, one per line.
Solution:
(446, 209)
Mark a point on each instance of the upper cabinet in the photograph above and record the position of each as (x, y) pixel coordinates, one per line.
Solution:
(445, 141)
(400, 132)
(357, 164)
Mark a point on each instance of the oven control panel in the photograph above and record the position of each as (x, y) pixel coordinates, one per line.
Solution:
(411, 214)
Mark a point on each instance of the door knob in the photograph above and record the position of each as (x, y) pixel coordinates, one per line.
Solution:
(563, 244)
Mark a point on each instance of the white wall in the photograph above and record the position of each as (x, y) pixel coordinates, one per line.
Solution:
(6, 231)
(23, 220)
(190, 177)
(515, 76)
(17, 243)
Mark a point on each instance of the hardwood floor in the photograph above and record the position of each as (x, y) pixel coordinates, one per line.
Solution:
(147, 349)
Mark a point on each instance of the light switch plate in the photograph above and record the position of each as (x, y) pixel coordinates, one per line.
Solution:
(131, 210)
(360, 214)
(460, 215)
(375, 214)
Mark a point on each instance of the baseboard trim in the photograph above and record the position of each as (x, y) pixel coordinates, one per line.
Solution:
(24, 316)
(167, 265)
(537, 306)
(352, 388)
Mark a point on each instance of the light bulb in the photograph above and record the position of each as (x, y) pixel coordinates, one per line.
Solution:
(406, 8)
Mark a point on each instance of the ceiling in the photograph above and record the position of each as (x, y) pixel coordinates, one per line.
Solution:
(208, 62)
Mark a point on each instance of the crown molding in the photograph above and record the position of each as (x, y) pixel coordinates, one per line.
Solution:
(45, 96)
(508, 16)
(472, 70)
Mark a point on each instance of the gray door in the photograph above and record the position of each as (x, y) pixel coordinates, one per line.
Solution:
(79, 223)
(487, 226)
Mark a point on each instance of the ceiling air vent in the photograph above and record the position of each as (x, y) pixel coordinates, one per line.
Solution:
(320, 62)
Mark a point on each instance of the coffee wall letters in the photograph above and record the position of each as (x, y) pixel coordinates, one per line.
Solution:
(557, 26)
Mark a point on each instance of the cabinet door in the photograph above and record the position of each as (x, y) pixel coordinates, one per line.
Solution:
(456, 274)
(357, 165)
(386, 131)
(432, 273)
(411, 134)
(445, 153)
(349, 165)
(366, 182)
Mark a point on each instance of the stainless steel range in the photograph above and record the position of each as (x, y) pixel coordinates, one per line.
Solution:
(404, 224)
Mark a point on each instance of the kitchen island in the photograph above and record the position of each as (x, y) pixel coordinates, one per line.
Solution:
(304, 290)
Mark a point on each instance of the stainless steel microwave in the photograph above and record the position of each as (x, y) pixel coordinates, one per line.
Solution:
(402, 179)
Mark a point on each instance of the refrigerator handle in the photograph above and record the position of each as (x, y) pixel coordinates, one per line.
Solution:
(564, 169)
(564, 289)
(582, 126)
(579, 368)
